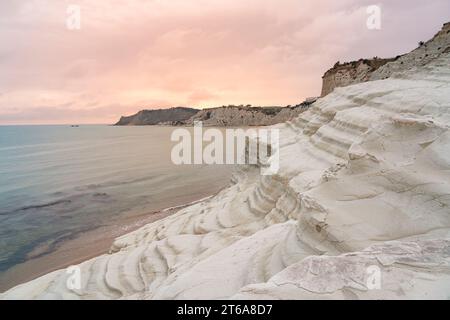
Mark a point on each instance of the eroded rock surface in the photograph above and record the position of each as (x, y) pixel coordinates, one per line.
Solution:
(363, 186)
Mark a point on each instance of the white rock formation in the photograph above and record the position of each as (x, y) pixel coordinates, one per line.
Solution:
(364, 185)
(238, 116)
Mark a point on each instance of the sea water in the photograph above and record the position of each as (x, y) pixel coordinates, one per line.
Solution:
(58, 182)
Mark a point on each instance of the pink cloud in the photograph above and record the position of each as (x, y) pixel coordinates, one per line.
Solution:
(154, 53)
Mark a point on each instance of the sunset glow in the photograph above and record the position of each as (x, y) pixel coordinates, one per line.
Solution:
(135, 54)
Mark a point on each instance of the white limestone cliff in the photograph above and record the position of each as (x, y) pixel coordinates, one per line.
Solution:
(234, 116)
(364, 182)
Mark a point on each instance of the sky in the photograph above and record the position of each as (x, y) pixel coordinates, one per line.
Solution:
(130, 55)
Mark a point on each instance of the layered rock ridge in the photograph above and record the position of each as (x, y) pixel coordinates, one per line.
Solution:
(233, 116)
(225, 116)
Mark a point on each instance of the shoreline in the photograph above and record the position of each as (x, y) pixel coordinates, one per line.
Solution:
(86, 246)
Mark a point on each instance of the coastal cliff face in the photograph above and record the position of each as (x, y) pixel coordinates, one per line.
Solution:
(154, 117)
(363, 189)
(345, 74)
(349, 73)
(247, 116)
(218, 117)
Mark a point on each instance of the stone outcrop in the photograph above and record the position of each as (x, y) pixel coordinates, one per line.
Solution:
(247, 116)
(345, 74)
(349, 73)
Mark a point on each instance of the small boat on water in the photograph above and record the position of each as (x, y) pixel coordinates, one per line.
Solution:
(74, 126)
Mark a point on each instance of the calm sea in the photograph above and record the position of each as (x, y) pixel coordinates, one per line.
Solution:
(57, 182)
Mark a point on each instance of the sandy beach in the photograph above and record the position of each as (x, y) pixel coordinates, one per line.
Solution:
(87, 245)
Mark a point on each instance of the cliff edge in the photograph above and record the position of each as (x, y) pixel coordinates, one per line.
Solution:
(345, 74)
(154, 117)
(218, 117)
